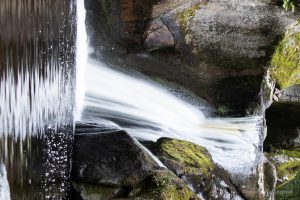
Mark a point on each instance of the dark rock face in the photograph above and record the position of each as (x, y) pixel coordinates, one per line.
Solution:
(108, 158)
(283, 125)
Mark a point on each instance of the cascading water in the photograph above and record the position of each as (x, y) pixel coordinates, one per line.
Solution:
(148, 111)
(36, 97)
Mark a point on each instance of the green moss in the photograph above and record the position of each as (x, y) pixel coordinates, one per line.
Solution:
(288, 169)
(223, 110)
(290, 191)
(162, 185)
(295, 153)
(191, 157)
(187, 14)
(286, 61)
(289, 5)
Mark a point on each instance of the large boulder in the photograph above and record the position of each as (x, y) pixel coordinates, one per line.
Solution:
(108, 158)
(194, 165)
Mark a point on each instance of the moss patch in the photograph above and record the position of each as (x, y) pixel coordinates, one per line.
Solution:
(193, 158)
(287, 163)
(286, 61)
(290, 191)
(162, 185)
(188, 14)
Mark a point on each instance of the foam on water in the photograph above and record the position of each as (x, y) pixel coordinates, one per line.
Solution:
(148, 112)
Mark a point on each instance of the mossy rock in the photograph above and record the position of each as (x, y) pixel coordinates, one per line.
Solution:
(191, 157)
(162, 185)
(286, 61)
(287, 163)
(289, 191)
(157, 184)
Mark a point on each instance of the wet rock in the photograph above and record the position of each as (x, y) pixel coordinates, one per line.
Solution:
(260, 184)
(158, 36)
(108, 158)
(194, 165)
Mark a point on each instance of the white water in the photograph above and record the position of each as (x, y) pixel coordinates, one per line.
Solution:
(148, 111)
(4, 186)
(81, 57)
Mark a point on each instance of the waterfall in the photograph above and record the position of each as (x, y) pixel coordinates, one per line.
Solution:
(149, 111)
(36, 96)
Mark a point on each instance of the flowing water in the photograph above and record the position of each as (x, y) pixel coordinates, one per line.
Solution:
(149, 111)
(36, 97)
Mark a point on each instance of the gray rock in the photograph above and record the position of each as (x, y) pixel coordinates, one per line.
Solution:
(260, 184)
(290, 94)
(158, 36)
(108, 158)
(239, 33)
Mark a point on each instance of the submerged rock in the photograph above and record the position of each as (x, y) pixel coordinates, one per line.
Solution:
(108, 158)
(194, 165)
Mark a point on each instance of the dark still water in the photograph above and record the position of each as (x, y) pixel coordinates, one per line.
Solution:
(37, 69)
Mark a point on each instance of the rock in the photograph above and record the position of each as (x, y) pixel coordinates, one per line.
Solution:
(291, 190)
(108, 158)
(238, 34)
(260, 184)
(157, 184)
(194, 165)
(287, 163)
(290, 94)
(286, 60)
(158, 36)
